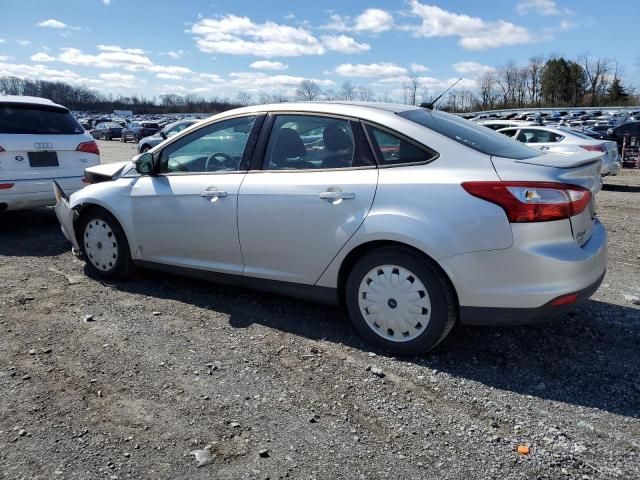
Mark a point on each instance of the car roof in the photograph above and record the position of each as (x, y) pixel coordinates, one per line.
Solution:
(354, 109)
(28, 100)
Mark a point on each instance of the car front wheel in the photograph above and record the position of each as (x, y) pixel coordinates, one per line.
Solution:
(400, 301)
(104, 245)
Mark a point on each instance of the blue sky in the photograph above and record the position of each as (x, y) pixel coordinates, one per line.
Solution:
(219, 48)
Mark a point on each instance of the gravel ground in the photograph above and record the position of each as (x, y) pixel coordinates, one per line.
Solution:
(149, 378)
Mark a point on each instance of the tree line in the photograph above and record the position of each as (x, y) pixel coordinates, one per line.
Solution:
(541, 82)
(81, 98)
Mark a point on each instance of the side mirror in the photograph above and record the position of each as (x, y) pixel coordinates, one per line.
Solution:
(145, 163)
(163, 134)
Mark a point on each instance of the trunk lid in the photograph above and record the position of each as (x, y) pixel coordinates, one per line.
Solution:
(582, 169)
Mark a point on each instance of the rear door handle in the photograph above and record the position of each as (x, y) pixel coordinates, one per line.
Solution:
(335, 196)
(213, 192)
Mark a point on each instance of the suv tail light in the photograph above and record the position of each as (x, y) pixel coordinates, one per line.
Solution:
(593, 148)
(88, 147)
(6, 186)
(532, 201)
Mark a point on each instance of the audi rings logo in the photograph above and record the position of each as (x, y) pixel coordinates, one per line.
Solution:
(43, 145)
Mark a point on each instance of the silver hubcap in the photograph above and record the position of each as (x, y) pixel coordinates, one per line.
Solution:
(394, 303)
(100, 245)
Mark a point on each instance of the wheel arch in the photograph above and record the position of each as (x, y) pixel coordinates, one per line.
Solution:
(82, 209)
(362, 249)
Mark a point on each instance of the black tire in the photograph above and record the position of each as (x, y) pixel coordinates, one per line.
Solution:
(122, 139)
(443, 312)
(123, 265)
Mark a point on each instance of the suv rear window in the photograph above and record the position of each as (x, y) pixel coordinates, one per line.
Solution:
(149, 125)
(16, 118)
(470, 134)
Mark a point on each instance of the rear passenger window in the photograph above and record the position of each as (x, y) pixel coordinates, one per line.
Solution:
(25, 119)
(394, 150)
(308, 142)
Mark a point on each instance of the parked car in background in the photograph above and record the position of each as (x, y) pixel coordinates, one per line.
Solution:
(169, 131)
(136, 131)
(40, 141)
(412, 218)
(564, 140)
(499, 124)
(107, 131)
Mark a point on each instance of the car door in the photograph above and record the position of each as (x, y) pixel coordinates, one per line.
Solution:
(314, 187)
(186, 215)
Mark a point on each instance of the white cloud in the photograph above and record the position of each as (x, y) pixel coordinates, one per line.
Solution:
(2, 40)
(344, 44)
(541, 7)
(42, 57)
(236, 35)
(39, 71)
(106, 2)
(261, 82)
(268, 65)
(175, 54)
(24, 43)
(370, 70)
(418, 68)
(5, 58)
(111, 56)
(473, 69)
(474, 32)
(374, 20)
(57, 24)
(119, 80)
(169, 76)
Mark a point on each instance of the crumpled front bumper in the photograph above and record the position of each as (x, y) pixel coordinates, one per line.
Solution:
(65, 215)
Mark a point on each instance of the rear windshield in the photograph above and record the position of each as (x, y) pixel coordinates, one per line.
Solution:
(150, 125)
(37, 120)
(470, 134)
(111, 125)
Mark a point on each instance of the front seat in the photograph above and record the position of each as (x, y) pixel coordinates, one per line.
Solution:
(289, 151)
(339, 144)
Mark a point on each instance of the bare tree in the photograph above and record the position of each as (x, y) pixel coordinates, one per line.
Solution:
(244, 98)
(331, 95)
(411, 90)
(536, 64)
(487, 90)
(308, 91)
(348, 91)
(365, 94)
(595, 70)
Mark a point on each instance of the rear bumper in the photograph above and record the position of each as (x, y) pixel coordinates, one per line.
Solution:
(518, 284)
(519, 316)
(27, 194)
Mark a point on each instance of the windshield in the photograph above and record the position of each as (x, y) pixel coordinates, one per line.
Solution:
(26, 119)
(470, 134)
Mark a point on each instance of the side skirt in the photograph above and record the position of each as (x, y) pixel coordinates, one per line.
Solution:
(307, 292)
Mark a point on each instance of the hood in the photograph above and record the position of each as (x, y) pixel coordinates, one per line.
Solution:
(109, 171)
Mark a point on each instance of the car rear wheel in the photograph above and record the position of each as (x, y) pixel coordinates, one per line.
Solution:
(400, 301)
(104, 245)
(123, 139)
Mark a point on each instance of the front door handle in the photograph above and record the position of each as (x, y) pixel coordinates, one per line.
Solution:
(336, 196)
(213, 192)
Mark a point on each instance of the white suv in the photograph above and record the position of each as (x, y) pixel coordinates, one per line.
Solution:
(40, 141)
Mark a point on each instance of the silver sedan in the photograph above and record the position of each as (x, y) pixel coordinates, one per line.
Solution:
(411, 218)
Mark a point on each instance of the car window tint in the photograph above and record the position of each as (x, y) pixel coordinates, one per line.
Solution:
(37, 120)
(214, 148)
(509, 133)
(394, 150)
(469, 134)
(311, 142)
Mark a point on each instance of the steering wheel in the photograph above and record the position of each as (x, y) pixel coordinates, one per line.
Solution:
(219, 161)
